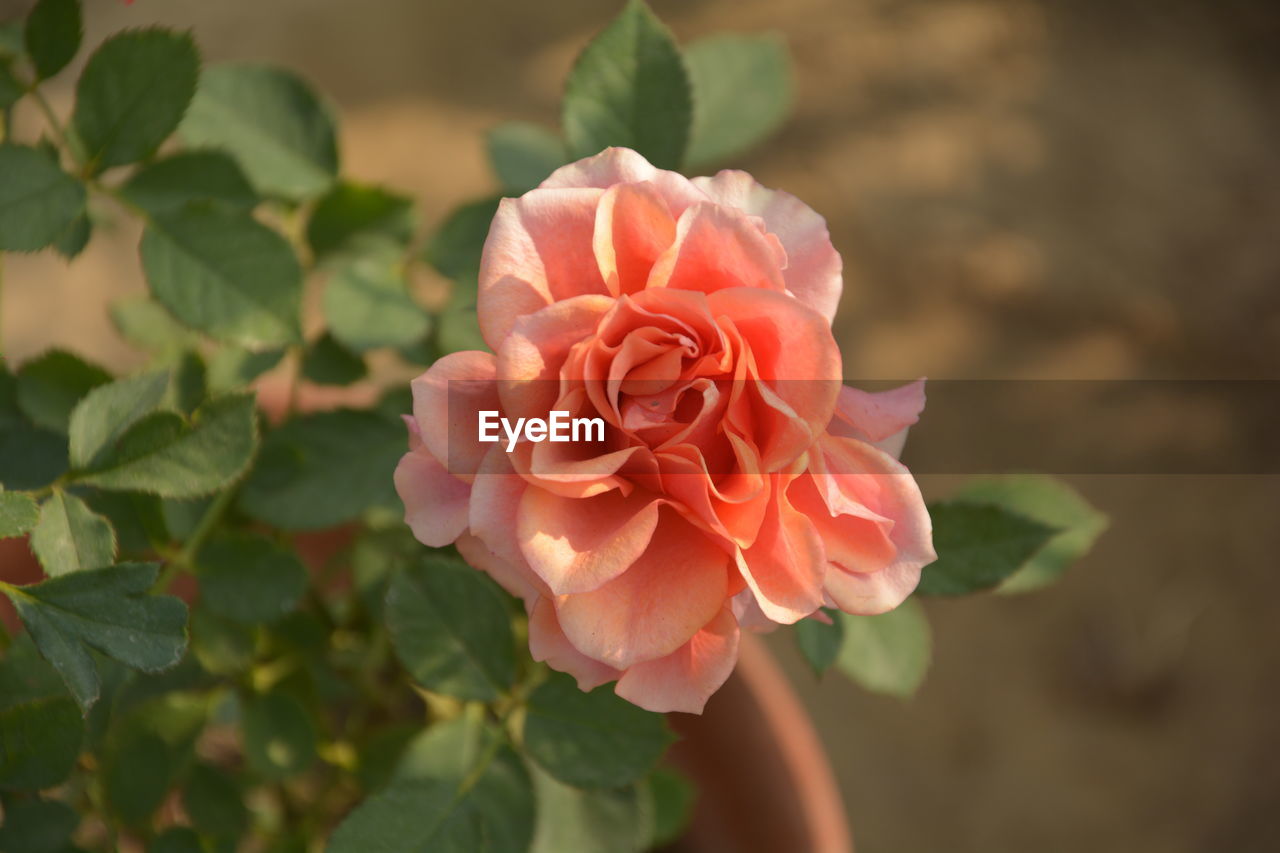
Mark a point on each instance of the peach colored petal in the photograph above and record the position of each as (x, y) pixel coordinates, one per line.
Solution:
(446, 402)
(548, 643)
(813, 271)
(624, 166)
(881, 418)
(785, 565)
(538, 252)
(655, 606)
(715, 248)
(530, 359)
(579, 544)
(435, 501)
(685, 679)
(633, 227)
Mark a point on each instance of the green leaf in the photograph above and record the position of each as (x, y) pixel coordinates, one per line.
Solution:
(673, 798)
(18, 514)
(166, 186)
(108, 610)
(524, 154)
(888, 653)
(174, 459)
(11, 39)
(367, 305)
(30, 457)
(630, 88)
(1049, 502)
(819, 642)
(106, 413)
(249, 579)
(50, 386)
(187, 385)
(232, 368)
(52, 35)
(271, 122)
(351, 214)
(451, 629)
(323, 469)
(71, 537)
(132, 95)
(137, 769)
(458, 789)
(38, 201)
(73, 239)
(456, 246)
(38, 826)
(214, 802)
(279, 737)
(136, 517)
(978, 545)
(223, 272)
(27, 677)
(39, 743)
(741, 93)
(591, 740)
(328, 362)
(617, 820)
(145, 323)
(11, 90)
(221, 646)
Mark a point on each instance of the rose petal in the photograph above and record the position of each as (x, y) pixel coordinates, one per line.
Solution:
(579, 544)
(447, 400)
(539, 251)
(685, 679)
(813, 272)
(633, 228)
(548, 643)
(655, 606)
(435, 501)
(715, 248)
(785, 565)
(624, 166)
(881, 418)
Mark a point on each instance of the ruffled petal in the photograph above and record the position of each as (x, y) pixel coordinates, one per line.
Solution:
(435, 501)
(548, 643)
(717, 247)
(881, 418)
(447, 400)
(634, 227)
(624, 166)
(685, 679)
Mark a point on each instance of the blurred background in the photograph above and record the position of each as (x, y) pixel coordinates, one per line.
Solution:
(1061, 189)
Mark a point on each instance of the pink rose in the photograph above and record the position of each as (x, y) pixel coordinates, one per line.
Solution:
(739, 484)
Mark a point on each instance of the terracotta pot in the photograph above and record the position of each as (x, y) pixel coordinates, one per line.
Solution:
(763, 777)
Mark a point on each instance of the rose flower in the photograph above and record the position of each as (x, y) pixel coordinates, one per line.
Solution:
(739, 484)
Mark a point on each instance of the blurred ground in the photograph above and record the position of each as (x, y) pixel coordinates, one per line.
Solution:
(1063, 189)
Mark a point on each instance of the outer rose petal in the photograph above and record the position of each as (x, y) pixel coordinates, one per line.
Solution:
(539, 251)
(717, 247)
(655, 606)
(813, 264)
(685, 679)
(515, 577)
(785, 566)
(579, 544)
(446, 402)
(624, 166)
(435, 501)
(633, 228)
(548, 643)
(881, 418)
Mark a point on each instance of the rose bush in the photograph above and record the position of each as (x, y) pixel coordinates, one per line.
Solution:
(739, 485)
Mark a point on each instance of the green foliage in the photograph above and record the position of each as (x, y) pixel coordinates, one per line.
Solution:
(673, 798)
(18, 513)
(630, 88)
(591, 740)
(214, 802)
(367, 305)
(888, 653)
(1052, 503)
(351, 215)
(741, 94)
(138, 768)
(221, 271)
(132, 95)
(978, 545)
(52, 35)
(107, 610)
(328, 362)
(38, 826)
(451, 629)
(524, 154)
(279, 736)
(597, 820)
(146, 324)
(38, 201)
(166, 186)
(820, 642)
(39, 743)
(71, 537)
(50, 386)
(271, 122)
(104, 415)
(250, 579)
(169, 456)
(323, 469)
